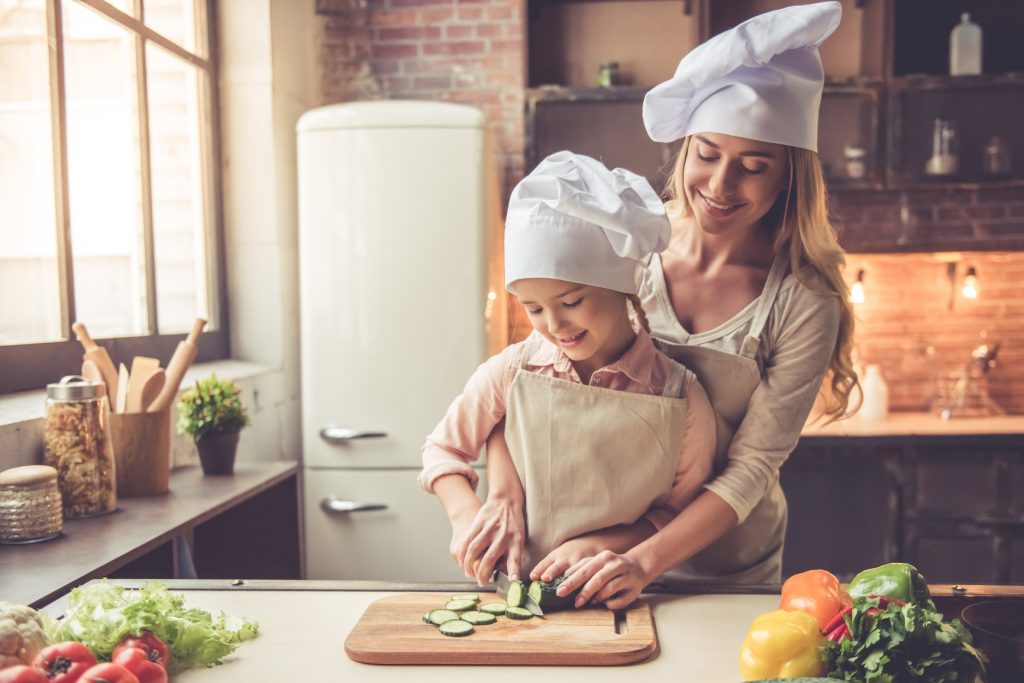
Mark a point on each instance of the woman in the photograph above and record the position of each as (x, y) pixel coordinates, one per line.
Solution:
(748, 295)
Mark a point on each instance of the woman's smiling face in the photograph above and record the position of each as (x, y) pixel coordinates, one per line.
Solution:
(732, 182)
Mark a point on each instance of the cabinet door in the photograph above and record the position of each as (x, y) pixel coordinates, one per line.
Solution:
(955, 553)
(842, 511)
(406, 540)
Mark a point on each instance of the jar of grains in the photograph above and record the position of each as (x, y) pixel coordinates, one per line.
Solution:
(76, 437)
(30, 507)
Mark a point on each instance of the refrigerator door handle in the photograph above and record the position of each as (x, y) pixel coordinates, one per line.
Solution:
(342, 435)
(331, 504)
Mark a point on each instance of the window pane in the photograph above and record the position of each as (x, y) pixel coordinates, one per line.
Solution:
(28, 234)
(176, 20)
(103, 174)
(179, 210)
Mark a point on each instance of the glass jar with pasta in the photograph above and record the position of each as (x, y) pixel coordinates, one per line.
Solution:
(77, 444)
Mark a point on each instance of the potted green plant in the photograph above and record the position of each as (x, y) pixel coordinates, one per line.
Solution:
(213, 414)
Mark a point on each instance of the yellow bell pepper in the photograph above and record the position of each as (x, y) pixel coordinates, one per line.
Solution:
(782, 644)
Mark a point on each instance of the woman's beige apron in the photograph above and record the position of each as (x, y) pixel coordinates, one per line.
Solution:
(589, 457)
(750, 552)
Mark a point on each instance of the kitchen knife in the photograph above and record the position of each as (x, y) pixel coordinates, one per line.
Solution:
(501, 583)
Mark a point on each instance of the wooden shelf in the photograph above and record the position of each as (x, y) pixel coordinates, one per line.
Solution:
(35, 573)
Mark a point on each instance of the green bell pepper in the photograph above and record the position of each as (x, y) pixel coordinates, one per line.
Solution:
(896, 580)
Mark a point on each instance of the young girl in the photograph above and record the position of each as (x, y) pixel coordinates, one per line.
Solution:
(605, 431)
(748, 295)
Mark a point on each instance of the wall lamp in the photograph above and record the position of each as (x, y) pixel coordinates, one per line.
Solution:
(857, 290)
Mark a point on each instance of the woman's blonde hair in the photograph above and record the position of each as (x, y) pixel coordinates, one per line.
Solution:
(804, 231)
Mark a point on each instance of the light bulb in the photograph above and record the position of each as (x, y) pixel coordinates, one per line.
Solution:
(970, 288)
(857, 290)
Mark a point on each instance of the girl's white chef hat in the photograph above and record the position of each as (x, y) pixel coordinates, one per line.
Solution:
(760, 80)
(572, 219)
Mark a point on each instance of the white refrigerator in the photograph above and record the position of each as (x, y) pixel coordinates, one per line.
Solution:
(392, 270)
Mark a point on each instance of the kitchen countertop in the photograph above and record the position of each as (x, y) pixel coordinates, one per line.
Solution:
(35, 573)
(918, 425)
(304, 624)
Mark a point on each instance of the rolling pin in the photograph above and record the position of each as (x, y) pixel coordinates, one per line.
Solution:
(180, 362)
(98, 355)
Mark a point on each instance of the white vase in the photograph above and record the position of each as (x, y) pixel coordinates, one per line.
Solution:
(876, 396)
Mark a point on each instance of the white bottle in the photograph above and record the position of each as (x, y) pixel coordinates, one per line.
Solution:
(876, 396)
(965, 47)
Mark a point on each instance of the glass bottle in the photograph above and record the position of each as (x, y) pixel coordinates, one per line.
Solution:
(76, 440)
(965, 48)
(608, 75)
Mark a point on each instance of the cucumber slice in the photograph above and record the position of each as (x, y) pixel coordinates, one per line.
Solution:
(460, 605)
(467, 596)
(441, 616)
(536, 591)
(478, 618)
(426, 618)
(495, 608)
(518, 613)
(516, 594)
(456, 628)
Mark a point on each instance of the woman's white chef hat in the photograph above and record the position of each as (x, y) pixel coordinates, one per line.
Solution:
(760, 80)
(572, 219)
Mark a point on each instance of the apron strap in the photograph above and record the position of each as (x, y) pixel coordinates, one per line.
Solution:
(764, 307)
(674, 383)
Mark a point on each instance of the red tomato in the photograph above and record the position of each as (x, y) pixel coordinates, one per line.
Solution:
(154, 648)
(138, 662)
(64, 662)
(22, 674)
(108, 673)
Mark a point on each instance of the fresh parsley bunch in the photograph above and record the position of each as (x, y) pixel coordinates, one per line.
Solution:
(904, 644)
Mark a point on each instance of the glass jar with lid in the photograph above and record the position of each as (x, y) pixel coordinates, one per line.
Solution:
(76, 439)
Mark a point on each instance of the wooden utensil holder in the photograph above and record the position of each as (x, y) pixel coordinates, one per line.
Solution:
(142, 452)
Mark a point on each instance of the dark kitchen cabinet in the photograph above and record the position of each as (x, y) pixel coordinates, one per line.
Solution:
(952, 506)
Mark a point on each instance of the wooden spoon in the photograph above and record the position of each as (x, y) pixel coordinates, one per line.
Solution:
(98, 355)
(151, 389)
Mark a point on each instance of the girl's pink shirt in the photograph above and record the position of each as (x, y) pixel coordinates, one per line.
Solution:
(642, 369)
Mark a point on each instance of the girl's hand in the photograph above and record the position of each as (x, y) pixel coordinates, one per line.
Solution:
(565, 556)
(498, 530)
(614, 579)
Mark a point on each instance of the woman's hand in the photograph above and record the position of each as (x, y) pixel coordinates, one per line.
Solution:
(612, 578)
(497, 530)
(565, 556)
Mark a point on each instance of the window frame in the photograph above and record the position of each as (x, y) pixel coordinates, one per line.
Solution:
(31, 366)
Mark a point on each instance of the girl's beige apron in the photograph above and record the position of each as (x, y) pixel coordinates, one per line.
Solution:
(589, 457)
(750, 552)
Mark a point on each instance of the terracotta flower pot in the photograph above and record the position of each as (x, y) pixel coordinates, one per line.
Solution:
(217, 452)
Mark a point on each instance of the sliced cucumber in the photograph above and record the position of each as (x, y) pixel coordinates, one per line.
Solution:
(426, 618)
(467, 596)
(456, 628)
(536, 591)
(495, 608)
(478, 618)
(518, 613)
(460, 605)
(441, 616)
(516, 594)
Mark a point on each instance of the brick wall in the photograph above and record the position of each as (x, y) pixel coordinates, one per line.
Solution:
(930, 220)
(462, 51)
(918, 326)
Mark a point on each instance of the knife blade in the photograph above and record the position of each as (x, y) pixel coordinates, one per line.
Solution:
(501, 583)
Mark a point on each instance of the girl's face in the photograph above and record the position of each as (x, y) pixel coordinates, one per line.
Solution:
(732, 182)
(588, 323)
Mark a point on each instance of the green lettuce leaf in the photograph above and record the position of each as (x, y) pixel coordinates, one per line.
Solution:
(100, 614)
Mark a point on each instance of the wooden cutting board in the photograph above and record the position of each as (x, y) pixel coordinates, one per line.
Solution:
(391, 631)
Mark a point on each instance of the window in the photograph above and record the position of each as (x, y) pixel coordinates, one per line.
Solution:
(109, 207)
